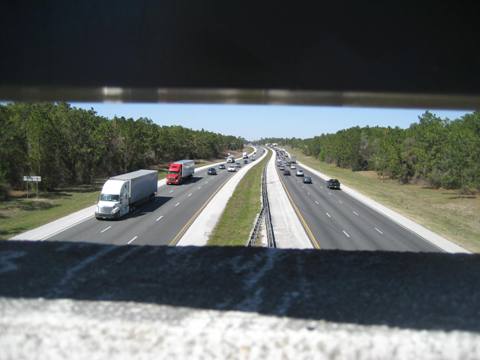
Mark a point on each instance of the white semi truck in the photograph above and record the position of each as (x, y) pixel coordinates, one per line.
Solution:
(120, 194)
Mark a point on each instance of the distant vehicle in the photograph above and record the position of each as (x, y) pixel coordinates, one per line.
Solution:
(212, 171)
(245, 155)
(121, 193)
(180, 170)
(333, 184)
(307, 180)
(245, 161)
(293, 159)
(282, 167)
(231, 168)
(293, 167)
(237, 164)
(221, 166)
(230, 159)
(253, 157)
(300, 172)
(286, 172)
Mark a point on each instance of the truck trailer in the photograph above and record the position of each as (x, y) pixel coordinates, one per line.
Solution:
(180, 170)
(120, 194)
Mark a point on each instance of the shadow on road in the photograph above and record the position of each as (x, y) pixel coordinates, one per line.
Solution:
(148, 207)
(406, 290)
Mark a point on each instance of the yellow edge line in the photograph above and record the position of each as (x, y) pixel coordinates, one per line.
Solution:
(182, 231)
(313, 240)
(185, 227)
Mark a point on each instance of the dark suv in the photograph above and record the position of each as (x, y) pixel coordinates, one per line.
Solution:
(333, 184)
(286, 172)
(212, 171)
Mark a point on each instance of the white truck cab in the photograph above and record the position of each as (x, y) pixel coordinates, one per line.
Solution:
(122, 193)
(113, 201)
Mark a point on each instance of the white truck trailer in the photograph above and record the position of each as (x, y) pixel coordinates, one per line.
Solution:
(120, 194)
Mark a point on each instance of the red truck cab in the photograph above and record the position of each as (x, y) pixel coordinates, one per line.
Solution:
(179, 171)
(174, 175)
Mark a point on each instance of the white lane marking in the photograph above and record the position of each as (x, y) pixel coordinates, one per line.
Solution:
(379, 231)
(132, 239)
(328, 215)
(170, 191)
(107, 228)
(159, 218)
(316, 202)
(177, 204)
(346, 234)
(189, 195)
(355, 213)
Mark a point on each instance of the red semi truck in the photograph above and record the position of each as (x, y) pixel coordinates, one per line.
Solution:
(178, 171)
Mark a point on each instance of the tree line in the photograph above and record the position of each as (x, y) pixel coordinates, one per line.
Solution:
(66, 145)
(443, 152)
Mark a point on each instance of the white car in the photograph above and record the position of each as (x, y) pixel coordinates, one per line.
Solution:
(232, 169)
(300, 172)
(293, 166)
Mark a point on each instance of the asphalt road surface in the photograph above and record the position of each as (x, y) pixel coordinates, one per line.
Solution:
(338, 221)
(160, 222)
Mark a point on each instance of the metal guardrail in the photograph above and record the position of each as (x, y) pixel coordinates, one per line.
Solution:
(263, 214)
(268, 218)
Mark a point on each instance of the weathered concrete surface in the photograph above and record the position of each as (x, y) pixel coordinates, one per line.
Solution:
(72, 329)
(60, 299)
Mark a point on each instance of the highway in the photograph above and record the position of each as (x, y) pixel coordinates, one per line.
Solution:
(338, 221)
(160, 222)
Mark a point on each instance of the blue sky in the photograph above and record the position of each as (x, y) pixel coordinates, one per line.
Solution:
(256, 121)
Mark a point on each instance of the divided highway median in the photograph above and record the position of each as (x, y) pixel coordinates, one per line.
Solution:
(237, 219)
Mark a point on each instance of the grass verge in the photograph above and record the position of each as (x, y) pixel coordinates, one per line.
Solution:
(21, 214)
(445, 212)
(236, 221)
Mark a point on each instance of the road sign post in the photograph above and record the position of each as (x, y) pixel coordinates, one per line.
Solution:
(34, 179)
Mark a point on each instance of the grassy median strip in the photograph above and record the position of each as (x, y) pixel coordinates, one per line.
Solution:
(446, 212)
(237, 219)
(20, 214)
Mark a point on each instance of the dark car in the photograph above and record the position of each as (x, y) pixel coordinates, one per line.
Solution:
(286, 172)
(333, 184)
(245, 161)
(307, 180)
(282, 167)
(221, 166)
(212, 171)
